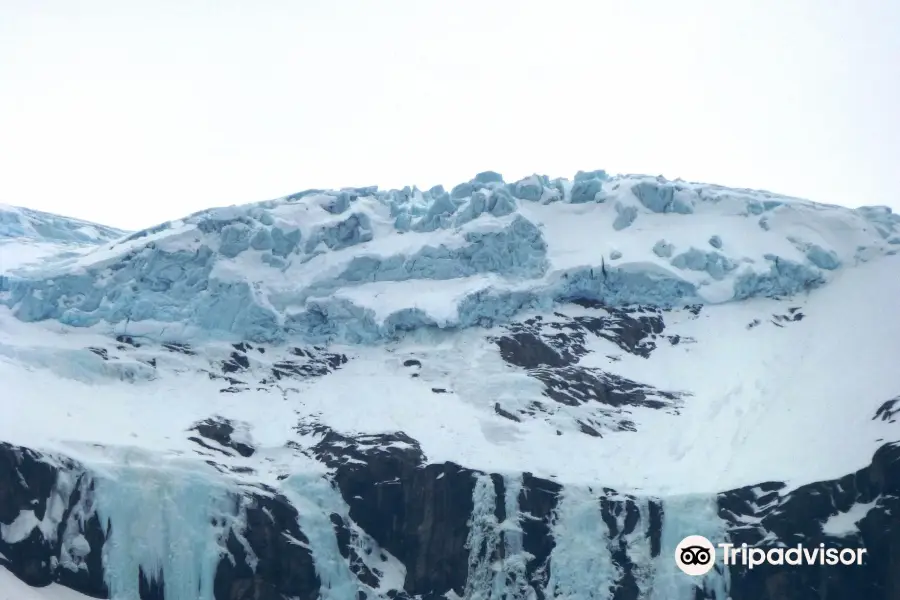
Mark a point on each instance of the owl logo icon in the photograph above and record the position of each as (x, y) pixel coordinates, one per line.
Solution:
(695, 555)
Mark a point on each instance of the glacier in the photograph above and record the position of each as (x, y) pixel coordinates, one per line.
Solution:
(28, 224)
(493, 391)
(30, 237)
(308, 266)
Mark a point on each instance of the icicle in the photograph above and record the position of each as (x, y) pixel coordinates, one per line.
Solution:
(74, 547)
(684, 516)
(316, 500)
(581, 564)
(511, 581)
(168, 523)
(483, 540)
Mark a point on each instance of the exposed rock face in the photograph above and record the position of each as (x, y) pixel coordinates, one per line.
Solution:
(419, 513)
(760, 516)
(424, 515)
(38, 500)
(31, 482)
(550, 349)
(283, 568)
(221, 431)
(453, 530)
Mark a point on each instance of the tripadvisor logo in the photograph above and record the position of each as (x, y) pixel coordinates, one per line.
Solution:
(696, 555)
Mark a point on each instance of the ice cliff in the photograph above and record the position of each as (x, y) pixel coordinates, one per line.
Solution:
(362, 265)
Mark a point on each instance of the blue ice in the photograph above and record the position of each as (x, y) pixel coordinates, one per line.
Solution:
(316, 499)
(169, 524)
(581, 564)
(684, 516)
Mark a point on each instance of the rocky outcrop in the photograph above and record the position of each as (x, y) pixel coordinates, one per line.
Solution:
(282, 564)
(44, 535)
(417, 512)
(451, 526)
(50, 533)
(549, 349)
(860, 510)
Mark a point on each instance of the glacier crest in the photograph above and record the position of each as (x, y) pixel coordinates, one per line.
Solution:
(316, 264)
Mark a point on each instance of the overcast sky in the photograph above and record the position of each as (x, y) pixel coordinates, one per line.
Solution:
(131, 113)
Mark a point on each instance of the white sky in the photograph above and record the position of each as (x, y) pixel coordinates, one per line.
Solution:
(132, 113)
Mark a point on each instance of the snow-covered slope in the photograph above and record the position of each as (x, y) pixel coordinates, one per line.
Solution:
(419, 389)
(12, 588)
(29, 237)
(697, 399)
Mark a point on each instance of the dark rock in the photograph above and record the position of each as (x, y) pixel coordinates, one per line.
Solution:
(419, 513)
(578, 385)
(527, 350)
(585, 428)
(220, 430)
(237, 362)
(101, 352)
(655, 518)
(550, 349)
(316, 363)
(27, 480)
(178, 347)
(127, 339)
(792, 316)
(151, 587)
(621, 516)
(761, 517)
(537, 502)
(505, 414)
(284, 568)
(888, 410)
